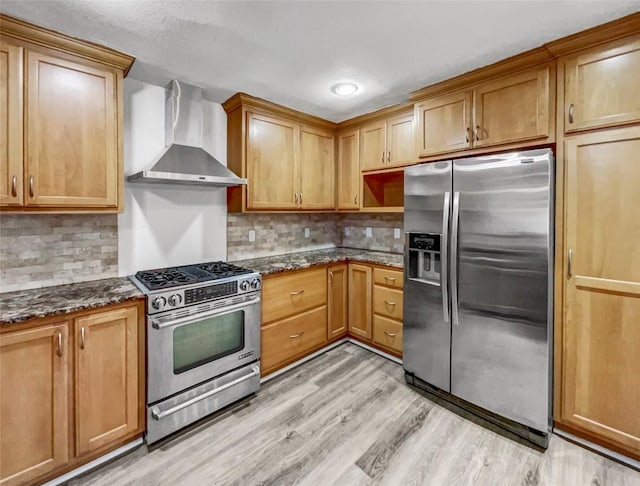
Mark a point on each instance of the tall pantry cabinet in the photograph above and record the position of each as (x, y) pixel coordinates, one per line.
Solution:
(597, 347)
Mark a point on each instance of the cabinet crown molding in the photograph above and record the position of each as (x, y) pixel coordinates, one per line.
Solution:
(381, 114)
(243, 99)
(19, 29)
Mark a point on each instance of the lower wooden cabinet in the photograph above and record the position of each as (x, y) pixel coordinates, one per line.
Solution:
(387, 333)
(69, 390)
(34, 402)
(286, 340)
(360, 300)
(338, 303)
(106, 365)
(600, 381)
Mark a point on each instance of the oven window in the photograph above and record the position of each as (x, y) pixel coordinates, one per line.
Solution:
(207, 340)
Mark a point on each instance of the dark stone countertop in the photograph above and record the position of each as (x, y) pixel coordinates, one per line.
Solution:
(297, 261)
(24, 305)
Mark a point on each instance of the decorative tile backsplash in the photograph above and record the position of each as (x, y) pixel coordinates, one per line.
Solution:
(281, 233)
(41, 250)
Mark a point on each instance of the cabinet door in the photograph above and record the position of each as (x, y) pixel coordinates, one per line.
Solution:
(11, 119)
(372, 146)
(443, 124)
(360, 300)
(601, 335)
(348, 170)
(71, 129)
(317, 169)
(602, 86)
(338, 285)
(34, 403)
(401, 148)
(272, 162)
(106, 377)
(512, 108)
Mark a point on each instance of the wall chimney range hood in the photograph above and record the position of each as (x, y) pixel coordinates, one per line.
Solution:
(184, 161)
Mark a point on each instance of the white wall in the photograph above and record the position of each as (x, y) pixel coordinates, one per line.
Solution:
(166, 225)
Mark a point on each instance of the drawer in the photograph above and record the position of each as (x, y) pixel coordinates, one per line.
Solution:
(387, 333)
(390, 278)
(387, 302)
(293, 337)
(292, 294)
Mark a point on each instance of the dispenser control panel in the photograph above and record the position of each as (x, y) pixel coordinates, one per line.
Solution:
(424, 257)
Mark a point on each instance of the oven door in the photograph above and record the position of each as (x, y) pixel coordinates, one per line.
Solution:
(187, 351)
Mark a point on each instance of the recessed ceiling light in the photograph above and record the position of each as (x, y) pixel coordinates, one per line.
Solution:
(344, 89)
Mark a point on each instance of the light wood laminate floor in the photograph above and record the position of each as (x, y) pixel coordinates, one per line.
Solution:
(348, 418)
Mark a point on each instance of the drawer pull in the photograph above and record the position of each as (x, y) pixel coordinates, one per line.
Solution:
(390, 334)
(299, 292)
(293, 336)
(388, 302)
(390, 279)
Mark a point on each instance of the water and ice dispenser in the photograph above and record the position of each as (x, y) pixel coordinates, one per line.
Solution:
(424, 257)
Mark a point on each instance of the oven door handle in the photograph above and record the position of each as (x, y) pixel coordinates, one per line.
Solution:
(158, 414)
(196, 317)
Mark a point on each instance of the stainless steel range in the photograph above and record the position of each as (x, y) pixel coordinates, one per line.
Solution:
(203, 341)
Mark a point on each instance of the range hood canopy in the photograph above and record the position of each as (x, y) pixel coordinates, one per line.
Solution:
(184, 161)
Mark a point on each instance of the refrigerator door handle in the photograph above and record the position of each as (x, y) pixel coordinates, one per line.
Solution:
(443, 260)
(454, 258)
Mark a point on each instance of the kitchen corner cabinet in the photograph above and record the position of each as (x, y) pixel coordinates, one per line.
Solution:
(387, 143)
(600, 383)
(360, 300)
(348, 190)
(511, 109)
(338, 301)
(287, 157)
(62, 106)
(35, 377)
(70, 390)
(602, 86)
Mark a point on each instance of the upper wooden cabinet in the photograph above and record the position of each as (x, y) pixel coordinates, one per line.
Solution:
(348, 190)
(66, 95)
(287, 157)
(443, 124)
(11, 138)
(602, 86)
(510, 109)
(34, 402)
(600, 384)
(272, 162)
(513, 108)
(387, 143)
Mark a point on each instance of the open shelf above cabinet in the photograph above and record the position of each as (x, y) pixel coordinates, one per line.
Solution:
(383, 192)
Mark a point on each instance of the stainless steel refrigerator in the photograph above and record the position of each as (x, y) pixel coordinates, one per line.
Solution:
(478, 280)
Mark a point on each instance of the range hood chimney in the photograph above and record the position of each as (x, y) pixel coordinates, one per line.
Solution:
(184, 161)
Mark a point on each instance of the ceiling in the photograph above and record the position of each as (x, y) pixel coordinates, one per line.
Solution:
(292, 52)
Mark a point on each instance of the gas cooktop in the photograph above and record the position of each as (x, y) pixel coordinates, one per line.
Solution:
(167, 278)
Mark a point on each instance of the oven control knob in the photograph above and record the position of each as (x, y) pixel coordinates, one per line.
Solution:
(175, 300)
(158, 303)
(255, 284)
(244, 285)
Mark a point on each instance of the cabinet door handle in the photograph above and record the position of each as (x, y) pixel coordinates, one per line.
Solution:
(466, 135)
(59, 349)
(382, 158)
(299, 292)
(388, 157)
(82, 337)
(14, 186)
(570, 263)
(390, 334)
(293, 336)
(355, 199)
(571, 113)
(331, 277)
(300, 197)
(477, 132)
(31, 184)
(388, 302)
